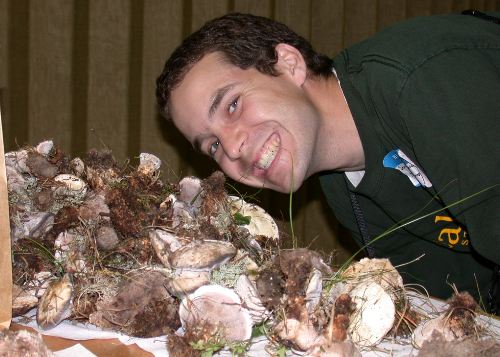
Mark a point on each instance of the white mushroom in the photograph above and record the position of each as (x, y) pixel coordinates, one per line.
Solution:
(373, 316)
(183, 282)
(380, 271)
(261, 223)
(314, 290)
(442, 325)
(63, 244)
(190, 192)
(182, 214)
(16, 181)
(40, 283)
(250, 297)
(219, 307)
(17, 160)
(68, 251)
(22, 300)
(204, 255)
(148, 164)
(78, 166)
(55, 304)
(334, 349)
(301, 334)
(72, 186)
(191, 264)
(45, 147)
(163, 243)
(32, 224)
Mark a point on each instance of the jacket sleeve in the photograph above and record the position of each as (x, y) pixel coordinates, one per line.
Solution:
(450, 106)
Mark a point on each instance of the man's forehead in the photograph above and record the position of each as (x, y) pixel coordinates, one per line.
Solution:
(202, 82)
(209, 64)
(202, 76)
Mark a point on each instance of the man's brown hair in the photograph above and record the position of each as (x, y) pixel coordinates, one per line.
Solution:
(244, 40)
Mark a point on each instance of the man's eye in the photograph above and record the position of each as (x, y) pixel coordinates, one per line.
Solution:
(233, 105)
(213, 148)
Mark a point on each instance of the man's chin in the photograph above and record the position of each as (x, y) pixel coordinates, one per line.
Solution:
(267, 185)
(285, 187)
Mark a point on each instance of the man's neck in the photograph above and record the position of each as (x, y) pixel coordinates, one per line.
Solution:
(338, 142)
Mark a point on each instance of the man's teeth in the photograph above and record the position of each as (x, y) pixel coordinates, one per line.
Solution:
(267, 157)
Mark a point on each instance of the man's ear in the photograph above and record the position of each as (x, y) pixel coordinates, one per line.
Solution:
(291, 63)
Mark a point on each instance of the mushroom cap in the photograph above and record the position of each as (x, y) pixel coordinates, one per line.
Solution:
(220, 307)
(301, 333)
(16, 181)
(40, 282)
(77, 166)
(314, 290)
(74, 186)
(22, 300)
(378, 270)
(261, 223)
(45, 147)
(423, 332)
(426, 330)
(55, 304)
(63, 244)
(190, 191)
(17, 160)
(148, 164)
(163, 243)
(247, 291)
(33, 224)
(182, 214)
(335, 349)
(207, 255)
(373, 316)
(184, 282)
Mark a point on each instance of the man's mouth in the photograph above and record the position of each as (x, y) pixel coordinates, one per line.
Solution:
(268, 153)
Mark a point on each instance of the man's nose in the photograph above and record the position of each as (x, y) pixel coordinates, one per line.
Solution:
(233, 142)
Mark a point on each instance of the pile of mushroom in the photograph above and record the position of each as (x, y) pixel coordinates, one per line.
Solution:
(119, 248)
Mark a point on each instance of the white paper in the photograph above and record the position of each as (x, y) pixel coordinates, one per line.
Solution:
(157, 345)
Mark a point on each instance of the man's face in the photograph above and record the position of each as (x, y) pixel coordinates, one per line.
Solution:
(260, 129)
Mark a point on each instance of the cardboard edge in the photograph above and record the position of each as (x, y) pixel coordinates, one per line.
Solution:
(5, 244)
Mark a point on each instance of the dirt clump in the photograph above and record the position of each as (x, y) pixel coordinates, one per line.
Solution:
(39, 166)
(23, 343)
(142, 307)
(178, 346)
(270, 285)
(133, 204)
(462, 311)
(340, 318)
(439, 347)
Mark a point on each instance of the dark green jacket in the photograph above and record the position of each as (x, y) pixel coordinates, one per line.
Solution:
(431, 88)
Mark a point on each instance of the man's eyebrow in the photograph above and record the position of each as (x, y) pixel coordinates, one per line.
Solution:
(217, 98)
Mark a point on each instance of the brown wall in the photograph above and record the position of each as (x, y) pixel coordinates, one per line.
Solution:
(83, 73)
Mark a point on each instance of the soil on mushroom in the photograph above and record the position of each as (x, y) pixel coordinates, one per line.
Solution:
(141, 307)
(438, 347)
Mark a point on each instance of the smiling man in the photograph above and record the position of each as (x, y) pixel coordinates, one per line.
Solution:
(263, 129)
(401, 125)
